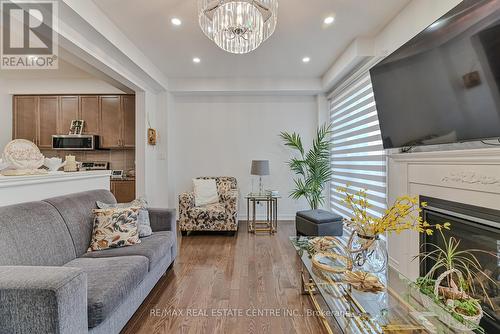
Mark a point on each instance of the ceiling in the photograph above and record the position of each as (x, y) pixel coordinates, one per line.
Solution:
(300, 32)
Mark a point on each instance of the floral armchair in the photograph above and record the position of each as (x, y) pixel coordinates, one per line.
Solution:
(221, 216)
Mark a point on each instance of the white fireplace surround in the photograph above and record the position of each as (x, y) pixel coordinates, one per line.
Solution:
(463, 176)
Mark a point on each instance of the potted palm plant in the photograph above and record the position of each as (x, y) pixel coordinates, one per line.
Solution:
(312, 168)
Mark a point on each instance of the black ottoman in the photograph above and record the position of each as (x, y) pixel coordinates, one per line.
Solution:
(318, 223)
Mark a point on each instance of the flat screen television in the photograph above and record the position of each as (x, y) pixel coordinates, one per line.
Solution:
(443, 86)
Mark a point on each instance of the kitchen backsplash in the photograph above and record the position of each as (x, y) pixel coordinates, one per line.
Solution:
(118, 159)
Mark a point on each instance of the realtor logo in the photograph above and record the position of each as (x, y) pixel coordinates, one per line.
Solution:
(29, 38)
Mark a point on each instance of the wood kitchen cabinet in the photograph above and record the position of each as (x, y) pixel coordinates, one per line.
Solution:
(48, 107)
(68, 111)
(111, 122)
(89, 112)
(123, 190)
(112, 117)
(25, 118)
(117, 121)
(128, 129)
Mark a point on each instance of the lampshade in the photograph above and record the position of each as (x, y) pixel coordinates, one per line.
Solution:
(260, 167)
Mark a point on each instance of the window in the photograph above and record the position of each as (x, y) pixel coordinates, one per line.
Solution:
(358, 156)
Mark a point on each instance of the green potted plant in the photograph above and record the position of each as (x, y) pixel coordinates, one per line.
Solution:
(312, 168)
(451, 282)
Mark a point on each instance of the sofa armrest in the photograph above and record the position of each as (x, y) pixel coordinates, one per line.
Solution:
(230, 201)
(162, 219)
(43, 300)
(186, 202)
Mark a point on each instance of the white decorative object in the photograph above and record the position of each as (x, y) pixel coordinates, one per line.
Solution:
(238, 26)
(471, 178)
(53, 164)
(24, 157)
(70, 164)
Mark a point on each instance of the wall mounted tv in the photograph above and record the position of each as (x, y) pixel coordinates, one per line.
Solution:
(443, 86)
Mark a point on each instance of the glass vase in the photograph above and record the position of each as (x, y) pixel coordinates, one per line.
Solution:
(369, 253)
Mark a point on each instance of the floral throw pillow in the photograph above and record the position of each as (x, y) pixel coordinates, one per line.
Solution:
(114, 227)
(143, 217)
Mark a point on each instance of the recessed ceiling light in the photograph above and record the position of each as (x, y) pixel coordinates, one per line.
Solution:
(329, 20)
(196, 60)
(306, 59)
(176, 22)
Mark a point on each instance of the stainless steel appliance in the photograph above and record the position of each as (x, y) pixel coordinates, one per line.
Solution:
(75, 142)
(95, 165)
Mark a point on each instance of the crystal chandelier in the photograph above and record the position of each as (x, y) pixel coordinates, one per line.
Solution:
(238, 26)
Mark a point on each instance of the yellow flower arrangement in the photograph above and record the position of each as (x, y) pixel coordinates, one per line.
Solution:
(403, 215)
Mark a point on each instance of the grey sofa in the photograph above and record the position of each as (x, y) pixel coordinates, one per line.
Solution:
(50, 284)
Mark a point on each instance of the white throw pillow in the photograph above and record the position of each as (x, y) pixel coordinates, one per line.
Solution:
(205, 192)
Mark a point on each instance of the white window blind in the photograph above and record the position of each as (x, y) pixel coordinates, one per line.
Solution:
(358, 157)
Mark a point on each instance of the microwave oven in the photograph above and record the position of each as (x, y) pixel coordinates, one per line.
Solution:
(75, 142)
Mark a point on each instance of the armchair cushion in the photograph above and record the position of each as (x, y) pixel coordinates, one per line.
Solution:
(215, 211)
(205, 192)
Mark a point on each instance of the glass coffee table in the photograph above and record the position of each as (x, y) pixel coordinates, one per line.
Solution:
(342, 309)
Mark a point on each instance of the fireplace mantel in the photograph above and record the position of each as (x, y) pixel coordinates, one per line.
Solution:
(463, 176)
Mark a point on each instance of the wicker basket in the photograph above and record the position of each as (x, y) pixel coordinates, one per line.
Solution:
(470, 323)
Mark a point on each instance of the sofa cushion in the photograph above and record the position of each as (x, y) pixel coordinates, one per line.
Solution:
(114, 228)
(109, 281)
(143, 217)
(154, 247)
(76, 210)
(34, 234)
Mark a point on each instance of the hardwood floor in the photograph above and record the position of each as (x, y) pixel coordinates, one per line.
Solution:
(240, 276)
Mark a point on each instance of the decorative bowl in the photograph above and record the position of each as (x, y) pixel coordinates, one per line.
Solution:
(23, 154)
(53, 164)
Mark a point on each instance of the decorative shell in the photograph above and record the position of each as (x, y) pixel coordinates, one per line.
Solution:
(23, 154)
(322, 244)
(363, 281)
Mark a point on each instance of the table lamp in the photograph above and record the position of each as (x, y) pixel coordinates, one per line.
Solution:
(260, 168)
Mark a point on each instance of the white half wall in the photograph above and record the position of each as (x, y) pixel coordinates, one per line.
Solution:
(221, 135)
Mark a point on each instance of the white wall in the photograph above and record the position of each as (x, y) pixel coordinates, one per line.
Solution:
(221, 135)
(5, 115)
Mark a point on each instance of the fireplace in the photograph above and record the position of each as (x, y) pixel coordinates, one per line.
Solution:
(476, 228)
